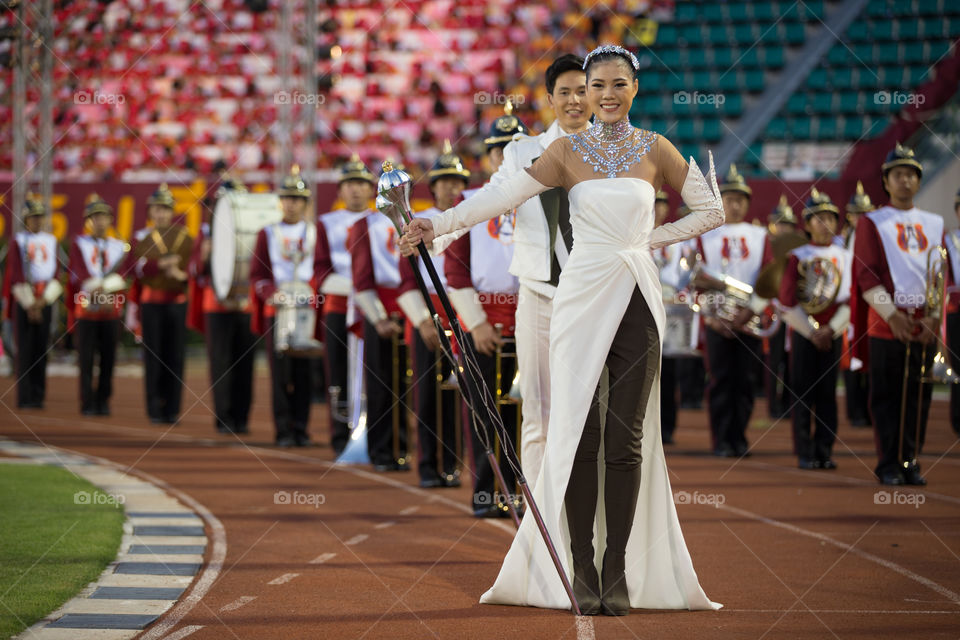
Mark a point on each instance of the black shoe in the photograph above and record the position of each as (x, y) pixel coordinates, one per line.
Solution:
(828, 464)
(741, 451)
(859, 422)
(486, 512)
(89, 412)
(451, 480)
(171, 419)
(286, 442)
(615, 599)
(667, 439)
(103, 410)
(401, 465)
(222, 428)
(894, 478)
(911, 475)
(156, 420)
(302, 440)
(431, 482)
(808, 464)
(241, 429)
(724, 451)
(30, 405)
(383, 467)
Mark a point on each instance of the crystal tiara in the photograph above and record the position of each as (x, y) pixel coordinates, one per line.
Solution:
(615, 49)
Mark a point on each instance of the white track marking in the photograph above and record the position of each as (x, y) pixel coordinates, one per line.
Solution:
(285, 578)
(357, 539)
(183, 633)
(384, 525)
(239, 602)
(323, 558)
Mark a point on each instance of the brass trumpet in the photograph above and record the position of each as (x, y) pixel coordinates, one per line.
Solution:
(717, 295)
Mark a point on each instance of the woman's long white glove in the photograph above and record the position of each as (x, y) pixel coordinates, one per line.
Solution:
(706, 208)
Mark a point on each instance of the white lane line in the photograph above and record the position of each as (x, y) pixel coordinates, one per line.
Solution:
(585, 628)
(239, 602)
(893, 566)
(183, 633)
(323, 558)
(285, 578)
(384, 525)
(357, 539)
(409, 510)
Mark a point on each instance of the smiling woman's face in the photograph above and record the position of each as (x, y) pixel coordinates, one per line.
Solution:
(611, 89)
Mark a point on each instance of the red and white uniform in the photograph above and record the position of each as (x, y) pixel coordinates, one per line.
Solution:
(482, 289)
(738, 250)
(32, 260)
(334, 273)
(410, 299)
(891, 252)
(283, 253)
(93, 258)
(375, 265)
(838, 313)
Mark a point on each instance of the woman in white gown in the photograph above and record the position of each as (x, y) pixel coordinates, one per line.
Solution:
(607, 311)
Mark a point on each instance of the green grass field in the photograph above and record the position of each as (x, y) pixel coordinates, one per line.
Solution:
(57, 533)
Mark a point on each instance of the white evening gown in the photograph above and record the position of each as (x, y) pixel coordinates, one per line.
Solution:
(612, 221)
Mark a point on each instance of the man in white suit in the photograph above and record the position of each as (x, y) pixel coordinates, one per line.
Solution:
(542, 242)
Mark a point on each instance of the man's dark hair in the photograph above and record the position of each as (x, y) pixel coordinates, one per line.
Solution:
(566, 62)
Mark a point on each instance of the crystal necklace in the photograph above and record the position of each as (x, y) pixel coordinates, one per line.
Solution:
(612, 148)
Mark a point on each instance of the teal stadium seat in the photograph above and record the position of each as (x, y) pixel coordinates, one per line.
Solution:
(931, 7)
(813, 10)
(794, 33)
(718, 34)
(687, 12)
(777, 129)
(826, 127)
(841, 77)
(773, 57)
(799, 128)
(822, 103)
(838, 54)
(730, 80)
(738, 12)
(749, 58)
(743, 34)
(817, 79)
(723, 57)
(712, 130)
(764, 11)
(686, 131)
(889, 53)
(732, 105)
(753, 81)
(913, 52)
(908, 29)
(711, 12)
(858, 32)
(666, 35)
(691, 34)
(797, 104)
(882, 30)
(850, 102)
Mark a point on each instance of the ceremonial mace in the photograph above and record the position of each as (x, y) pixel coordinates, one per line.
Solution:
(393, 201)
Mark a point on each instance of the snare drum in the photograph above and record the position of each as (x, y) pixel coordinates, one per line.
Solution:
(681, 333)
(237, 219)
(295, 321)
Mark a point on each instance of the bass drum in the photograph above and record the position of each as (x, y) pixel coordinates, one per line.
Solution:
(237, 219)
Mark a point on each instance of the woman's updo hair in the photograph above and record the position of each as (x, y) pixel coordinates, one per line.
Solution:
(609, 52)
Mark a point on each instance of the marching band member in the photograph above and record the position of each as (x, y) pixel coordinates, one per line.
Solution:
(157, 261)
(375, 267)
(484, 293)
(542, 242)
(96, 301)
(226, 326)
(890, 266)
(691, 374)
(356, 188)
(667, 259)
(782, 221)
(437, 454)
(738, 249)
(817, 337)
(952, 242)
(30, 287)
(286, 252)
(856, 380)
